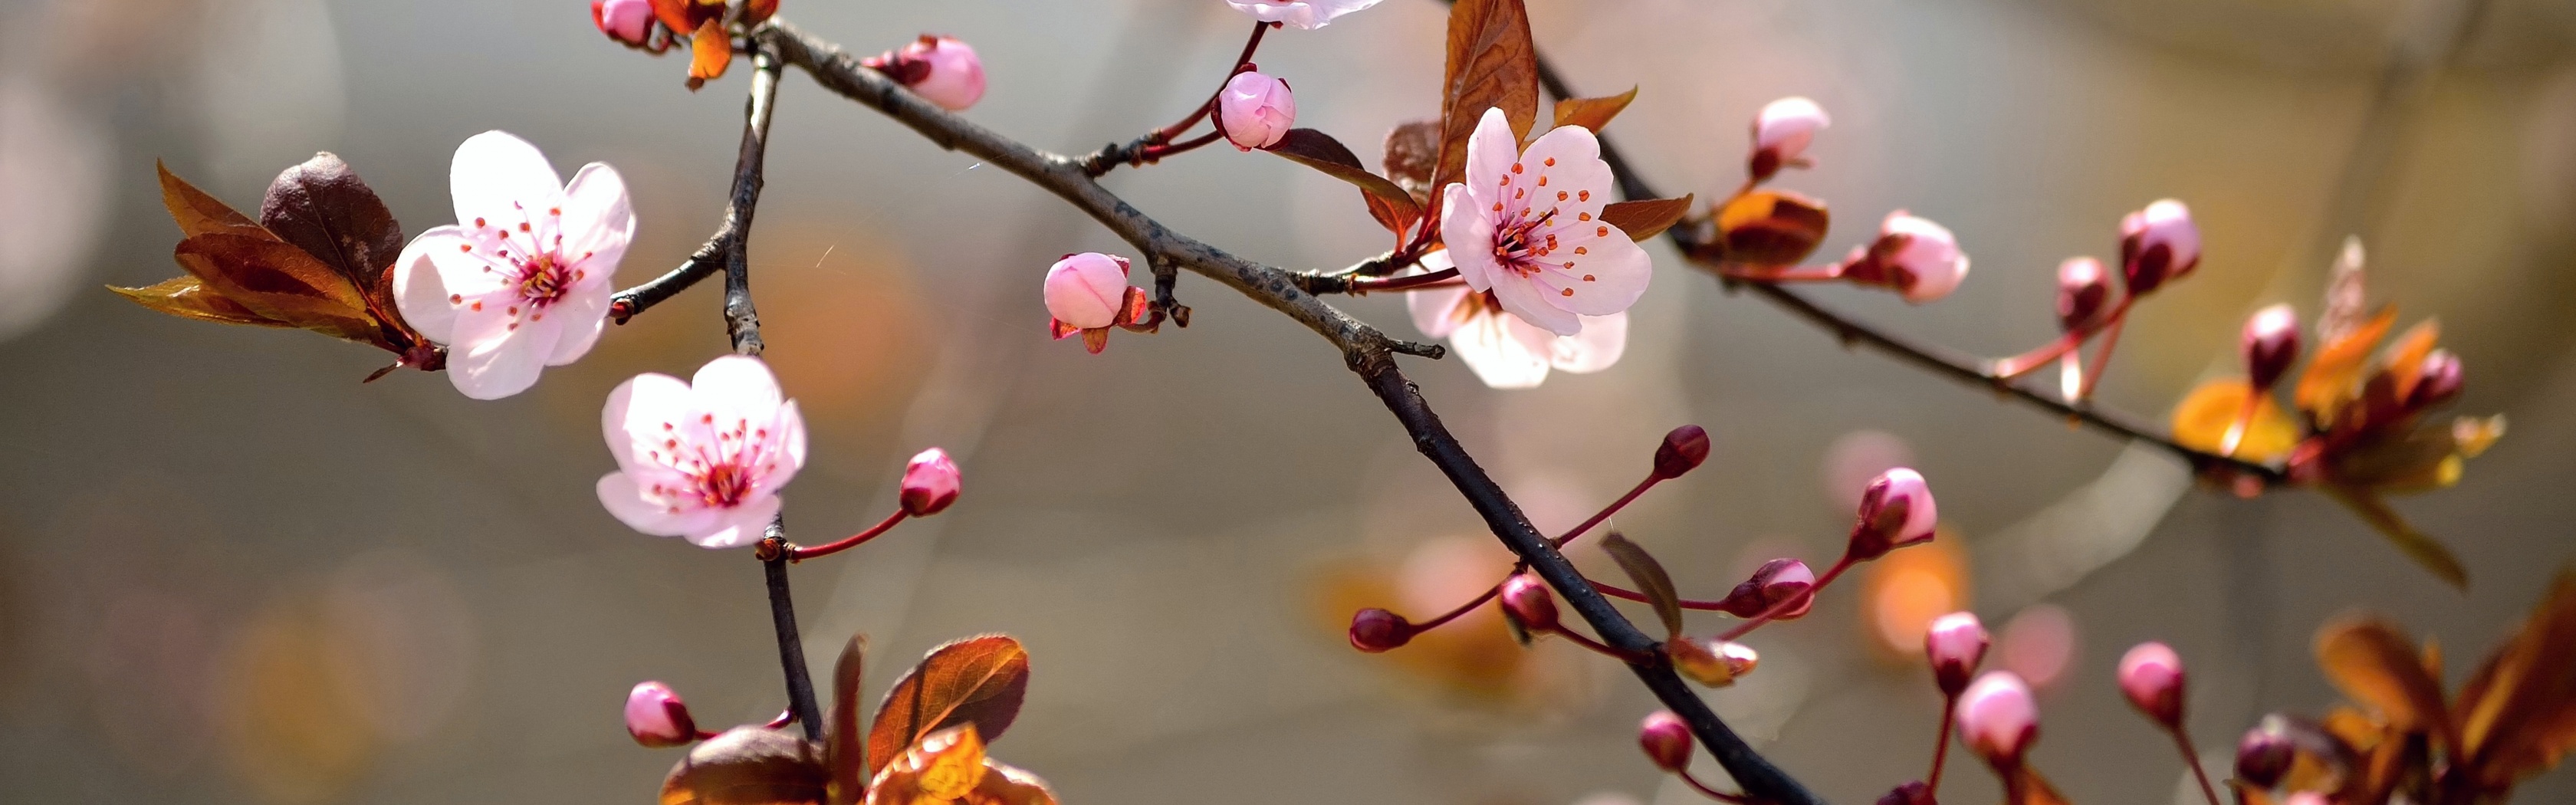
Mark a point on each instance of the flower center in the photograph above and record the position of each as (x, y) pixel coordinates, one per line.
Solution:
(723, 485)
(1517, 243)
(543, 279)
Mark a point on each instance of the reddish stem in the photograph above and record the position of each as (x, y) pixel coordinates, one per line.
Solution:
(1463, 609)
(1151, 153)
(1168, 132)
(1614, 507)
(1791, 602)
(1616, 591)
(785, 717)
(2190, 757)
(1446, 276)
(2101, 359)
(1824, 273)
(1941, 743)
(2026, 362)
(799, 553)
(1559, 541)
(1706, 791)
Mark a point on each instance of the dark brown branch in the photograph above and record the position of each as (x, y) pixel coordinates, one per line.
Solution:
(1367, 351)
(1941, 361)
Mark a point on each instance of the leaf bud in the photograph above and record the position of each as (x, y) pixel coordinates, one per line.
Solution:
(2151, 676)
(1897, 510)
(1529, 601)
(1955, 644)
(2082, 288)
(1715, 663)
(1998, 718)
(1255, 110)
(1781, 134)
(1776, 581)
(1667, 741)
(1682, 451)
(2437, 381)
(1916, 257)
(2158, 243)
(657, 718)
(929, 483)
(1374, 630)
(1770, 228)
(2271, 344)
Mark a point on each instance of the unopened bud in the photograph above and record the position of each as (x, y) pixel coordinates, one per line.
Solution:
(1085, 291)
(1682, 451)
(1771, 228)
(657, 718)
(1913, 792)
(1918, 258)
(1777, 581)
(1715, 663)
(929, 483)
(1998, 718)
(940, 69)
(2158, 243)
(1781, 133)
(2264, 755)
(1667, 741)
(1374, 630)
(2271, 344)
(2151, 676)
(1530, 602)
(1896, 511)
(1255, 110)
(1955, 644)
(2082, 288)
(2437, 381)
(630, 22)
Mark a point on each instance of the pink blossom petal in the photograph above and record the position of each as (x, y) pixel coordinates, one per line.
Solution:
(1499, 356)
(1608, 278)
(581, 315)
(738, 526)
(736, 387)
(1524, 297)
(598, 223)
(1491, 151)
(501, 178)
(1461, 223)
(624, 500)
(1598, 347)
(634, 420)
(1305, 14)
(420, 293)
(498, 352)
(1435, 310)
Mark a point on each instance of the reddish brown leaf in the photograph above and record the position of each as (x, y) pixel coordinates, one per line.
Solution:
(1648, 218)
(2376, 665)
(322, 207)
(2517, 715)
(1771, 227)
(187, 297)
(1492, 64)
(1650, 578)
(747, 766)
(949, 766)
(1315, 149)
(1412, 154)
(198, 213)
(281, 283)
(1592, 113)
(978, 680)
(845, 749)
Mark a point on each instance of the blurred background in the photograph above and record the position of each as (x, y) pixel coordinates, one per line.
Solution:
(231, 574)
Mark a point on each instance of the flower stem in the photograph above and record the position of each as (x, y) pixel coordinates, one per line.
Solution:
(1706, 791)
(2190, 757)
(1791, 602)
(1462, 609)
(2024, 363)
(1446, 276)
(1941, 743)
(799, 553)
(1823, 273)
(2101, 359)
(1166, 133)
(1150, 154)
(1606, 511)
(1616, 591)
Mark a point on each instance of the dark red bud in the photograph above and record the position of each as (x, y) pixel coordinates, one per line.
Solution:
(1913, 792)
(1682, 451)
(1667, 741)
(1374, 630)
(1778, 580)
(2082, 288)
(2270, 344)
(2263, 757)
(1530, 602)
(2437, 382)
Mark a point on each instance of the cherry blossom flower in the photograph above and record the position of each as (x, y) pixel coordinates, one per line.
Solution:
(1255, 110)
(702, 459)
(522, 282)
(1305, 14)
(1524, 227)
(1088, 293)
(1781, 133)
(1503, 350)
(940, 69)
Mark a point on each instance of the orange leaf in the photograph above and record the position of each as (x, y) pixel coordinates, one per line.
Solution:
(2518, 713)
(1492, 64)
(2406, 355)
(747, 766)
(1592, 113)
(1647, 218)
(187, 297)
(282, 283)
(1771, 227)
(844, 747)
(710, 52)
(2377, 666)
(198, 213)
(2205, 417)
(2333, 376)
(978, 680)
(950, 766)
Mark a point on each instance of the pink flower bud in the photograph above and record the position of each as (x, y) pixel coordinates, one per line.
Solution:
(1956, 644)
(1998, 718)
(1667, 741)
(2157, 244)
(1913, 792)
(657, 718)
(2266, 752)
(1896, 511)
(1374, 630)
(1682, 451)
(2437, 381)
(1255, 110)
(1781, 133)
(1776, 581)
(1085, 291)
(2306, 798)
(2271, 344)
(1917, 257)
(2082, 287)
(929, 483)
(1529, 601)
(940, 69)
(2151, 676)
(627, 21)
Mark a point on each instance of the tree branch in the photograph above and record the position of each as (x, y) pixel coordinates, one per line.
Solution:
(1938, 360)
(1367, 351)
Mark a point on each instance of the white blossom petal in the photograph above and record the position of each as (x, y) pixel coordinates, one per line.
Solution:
(1525, 298)
(1598, 347)
(640, 416)
(498, 351)
(1435, 310)
(598, 222)
(738, 526)
(420, 293)
(1491, 150)
(1462, 224)
(1499, 356)
(501, 178)
(624, 500)
(1607, 279)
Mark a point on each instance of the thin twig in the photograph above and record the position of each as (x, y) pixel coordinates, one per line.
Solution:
(1367, 351)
